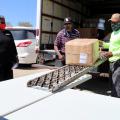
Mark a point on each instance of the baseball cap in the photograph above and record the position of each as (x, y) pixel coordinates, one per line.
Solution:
(67, 20)
(115, 17)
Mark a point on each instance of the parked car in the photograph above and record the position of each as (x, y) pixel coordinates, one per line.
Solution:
(25, 41)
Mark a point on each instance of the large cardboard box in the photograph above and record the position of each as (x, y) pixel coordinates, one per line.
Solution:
(84, 52)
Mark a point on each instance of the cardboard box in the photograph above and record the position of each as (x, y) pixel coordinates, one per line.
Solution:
(84, 52)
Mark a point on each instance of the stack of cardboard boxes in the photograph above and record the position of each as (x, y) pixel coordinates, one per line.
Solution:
(89, 28)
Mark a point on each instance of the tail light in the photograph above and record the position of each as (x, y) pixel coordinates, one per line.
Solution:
(24, 44)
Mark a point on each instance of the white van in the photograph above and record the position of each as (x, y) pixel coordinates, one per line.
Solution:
(25, 41)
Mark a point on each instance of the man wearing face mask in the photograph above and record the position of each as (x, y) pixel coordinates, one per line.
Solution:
(65, 35)
(114, 54)
(8, 52)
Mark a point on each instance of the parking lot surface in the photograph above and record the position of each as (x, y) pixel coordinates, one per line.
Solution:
(27, 70)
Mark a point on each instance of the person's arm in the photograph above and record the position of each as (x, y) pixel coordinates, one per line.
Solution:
(116, 53)
(56, 44)
(58, 53)
(77, 33)
(12, 50)
(110, 54)
(106, 45)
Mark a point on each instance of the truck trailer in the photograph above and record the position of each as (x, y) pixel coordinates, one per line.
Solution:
(86, 15)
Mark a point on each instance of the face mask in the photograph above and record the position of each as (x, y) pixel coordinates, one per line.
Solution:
(115, 26)
(2, 26)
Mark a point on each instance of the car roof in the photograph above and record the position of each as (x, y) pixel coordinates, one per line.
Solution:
(20, 28)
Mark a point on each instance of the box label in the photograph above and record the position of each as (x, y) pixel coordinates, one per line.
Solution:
(83, 58)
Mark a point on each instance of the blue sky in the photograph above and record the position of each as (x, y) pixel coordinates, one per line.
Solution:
(16, 11)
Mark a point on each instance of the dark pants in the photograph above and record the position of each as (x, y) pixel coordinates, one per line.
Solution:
(104, 68)
(115, 78)
(6, 74)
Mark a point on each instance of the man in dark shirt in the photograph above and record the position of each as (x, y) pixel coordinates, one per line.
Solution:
(8, 52)
(65, 35)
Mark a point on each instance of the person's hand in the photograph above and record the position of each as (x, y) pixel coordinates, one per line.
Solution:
(106, 55)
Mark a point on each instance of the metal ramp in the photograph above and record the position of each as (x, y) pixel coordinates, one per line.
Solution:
(61, 77)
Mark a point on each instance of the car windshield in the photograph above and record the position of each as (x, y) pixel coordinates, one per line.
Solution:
(23, 34)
